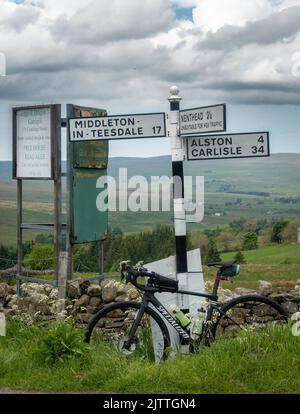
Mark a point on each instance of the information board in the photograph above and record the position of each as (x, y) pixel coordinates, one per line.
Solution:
(33, 142)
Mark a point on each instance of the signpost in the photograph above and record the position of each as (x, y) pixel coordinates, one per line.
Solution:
(118, 127)
(37, 155)
(212, 147)
(202, 120)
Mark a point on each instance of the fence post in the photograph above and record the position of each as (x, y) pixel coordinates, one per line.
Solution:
(62, 283)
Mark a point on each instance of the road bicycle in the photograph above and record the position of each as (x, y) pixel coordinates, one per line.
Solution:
(129, 324)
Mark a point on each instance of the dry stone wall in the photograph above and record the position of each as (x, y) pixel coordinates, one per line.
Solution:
(84, 299)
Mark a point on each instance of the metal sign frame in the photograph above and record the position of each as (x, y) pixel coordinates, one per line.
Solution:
(54, 138)
(71, 111)
(187, 134)
(227, 135)
(117, 137)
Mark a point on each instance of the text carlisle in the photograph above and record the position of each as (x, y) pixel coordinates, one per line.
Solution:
(228, 146)
(118, 127)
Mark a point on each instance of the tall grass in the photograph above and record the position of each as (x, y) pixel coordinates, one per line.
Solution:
(268, 362)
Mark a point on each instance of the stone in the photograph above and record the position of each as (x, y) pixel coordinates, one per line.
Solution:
(11, 290)
(239, 314)
(225, 295)
(265, 288)
(31, 289)
(91, 310)
(122, 289)
(113, 323)
(115, 314)
(39, 298)
(291, 307)
(95, 302)
(13, 301)
(104, 283)
(123, 298)
(298, 282)
(293, 295)
(48, 290)
(53, 295)
(94, 291)
(83, 286)
(3, 291)
(73, 290)
(264, 310)
(84, 318)
(133, 294)
(260, 319)
(83, 301)
(295, 317)
(244, 291)
(109, 292)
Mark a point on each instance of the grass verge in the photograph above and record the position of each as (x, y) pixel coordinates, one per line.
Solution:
(268, 362)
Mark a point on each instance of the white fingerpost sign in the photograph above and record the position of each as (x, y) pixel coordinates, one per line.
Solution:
(32, 143)
(211, 147)
(203, 120)
(118, 127)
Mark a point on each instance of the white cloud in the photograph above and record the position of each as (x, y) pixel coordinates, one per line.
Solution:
(89, 50)
(102, 21)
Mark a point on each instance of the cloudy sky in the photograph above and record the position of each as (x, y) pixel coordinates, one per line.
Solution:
(123, 55)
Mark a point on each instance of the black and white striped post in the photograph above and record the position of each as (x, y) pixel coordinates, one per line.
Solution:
(178, 156)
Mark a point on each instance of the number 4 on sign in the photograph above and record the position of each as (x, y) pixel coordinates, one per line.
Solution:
(261, 149)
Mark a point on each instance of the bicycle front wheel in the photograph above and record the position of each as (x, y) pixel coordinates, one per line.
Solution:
(112, 324)
(247, 313)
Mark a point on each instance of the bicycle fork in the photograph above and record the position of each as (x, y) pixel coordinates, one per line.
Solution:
(137, 320)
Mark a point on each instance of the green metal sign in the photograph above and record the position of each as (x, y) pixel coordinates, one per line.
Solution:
(87, 162)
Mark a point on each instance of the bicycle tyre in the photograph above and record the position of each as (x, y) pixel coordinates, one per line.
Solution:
(260, 300)
(123, 307)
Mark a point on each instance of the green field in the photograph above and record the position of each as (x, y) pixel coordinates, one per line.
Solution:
(279, 254)
(271, 179)
(33, 358)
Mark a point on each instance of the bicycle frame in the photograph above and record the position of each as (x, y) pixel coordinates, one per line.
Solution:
(149, 298)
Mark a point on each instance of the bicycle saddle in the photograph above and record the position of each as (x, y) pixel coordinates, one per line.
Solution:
(223, 265)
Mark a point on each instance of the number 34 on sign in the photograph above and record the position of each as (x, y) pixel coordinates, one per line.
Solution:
(246, 145)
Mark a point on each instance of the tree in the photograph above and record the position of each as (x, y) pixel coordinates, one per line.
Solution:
(240, 258)
(8, 257)
(250, 241)
(212, 253)
(228, 241)
(277, 229)
(290, 232)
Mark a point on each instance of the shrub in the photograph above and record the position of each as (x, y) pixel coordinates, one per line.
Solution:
(62, 341)
(40, 258)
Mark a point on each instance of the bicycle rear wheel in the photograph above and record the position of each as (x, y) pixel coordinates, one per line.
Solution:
(247, 313)
(112, 324)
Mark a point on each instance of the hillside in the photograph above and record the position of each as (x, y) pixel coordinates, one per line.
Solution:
(242, 188)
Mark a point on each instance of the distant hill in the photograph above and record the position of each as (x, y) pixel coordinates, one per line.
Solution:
(279, 174)
(234, 189)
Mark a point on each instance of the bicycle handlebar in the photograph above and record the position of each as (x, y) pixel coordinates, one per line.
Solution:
(156, 281)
